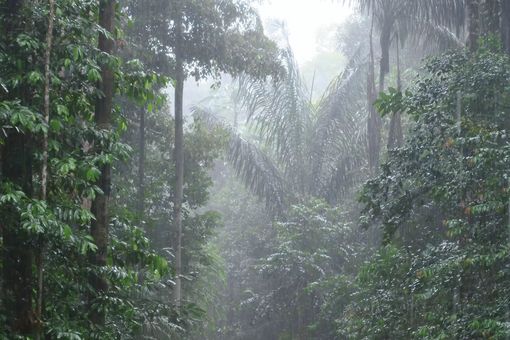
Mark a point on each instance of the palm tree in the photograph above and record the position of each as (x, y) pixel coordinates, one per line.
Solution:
(401, 18)
(302, 149)
(396, 20)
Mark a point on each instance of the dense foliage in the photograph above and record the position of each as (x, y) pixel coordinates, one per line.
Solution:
(53, 232)
(431, 259)
(60, 147)
(442, 200)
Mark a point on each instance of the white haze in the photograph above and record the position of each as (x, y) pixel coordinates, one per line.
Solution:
(305, 20)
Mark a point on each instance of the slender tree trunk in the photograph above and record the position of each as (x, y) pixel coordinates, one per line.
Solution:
(44, 169)
(492, 10)
(473, 9)
(46, 109)
(385, 40)
(395, 137)
(103, 113)
(17, 251)
(141, 167)
(374, 120)
(179, 159)
(505, 24)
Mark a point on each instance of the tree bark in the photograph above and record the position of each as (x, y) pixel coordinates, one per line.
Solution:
(473, 9)
(179, 158)
(493, 18)
(103, 113)
(505, 24)
(374, 120)
(395, 137)
(385, 40)
(17, 253)
(141, 167)
(46, 109)
(44, 169)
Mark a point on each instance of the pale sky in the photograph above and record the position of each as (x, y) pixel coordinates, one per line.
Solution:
(304, 20)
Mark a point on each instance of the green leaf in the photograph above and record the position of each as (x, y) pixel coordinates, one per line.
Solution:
(93, 75)
(93, 174)
(35, 78)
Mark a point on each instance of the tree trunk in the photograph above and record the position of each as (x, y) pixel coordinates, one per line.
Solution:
(44, 170)
(374, 120)
(395, 137)
(46, 109)
(179, 159)
(492, 12)
(141, 167)
(385, 41)
(473, 8)
(505, 24)
(18, 255)
(103, 113)
(17, 251)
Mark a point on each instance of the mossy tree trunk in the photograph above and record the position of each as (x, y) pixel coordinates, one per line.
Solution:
(103, 114)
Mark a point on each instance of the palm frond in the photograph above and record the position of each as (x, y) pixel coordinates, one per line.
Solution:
(252, 165)
(442, 37)
(449, 13)
(280, 114)
(418, 17)
(259, 173)
(338, 147)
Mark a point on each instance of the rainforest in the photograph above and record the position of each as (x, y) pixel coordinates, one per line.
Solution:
(255, 169)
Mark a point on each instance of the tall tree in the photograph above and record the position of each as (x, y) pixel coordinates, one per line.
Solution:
(43, 185)
(439, 199)
(44, 167)
(492, 13)
(395, 20)
(209, 38)
(374, 119)
(141, 165)
(395, 135)
(16, 164)
(103, 118)
(488, 17)
(473, 10)
(505, 24)
(148, 40)
(304, 150)
(178, 150)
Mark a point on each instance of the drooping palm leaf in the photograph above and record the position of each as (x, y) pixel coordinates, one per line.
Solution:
(305, 150)
(251, 164)
(339, 149)
(450, 13)
(437, 20)
(280, 113)
(259, 173)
